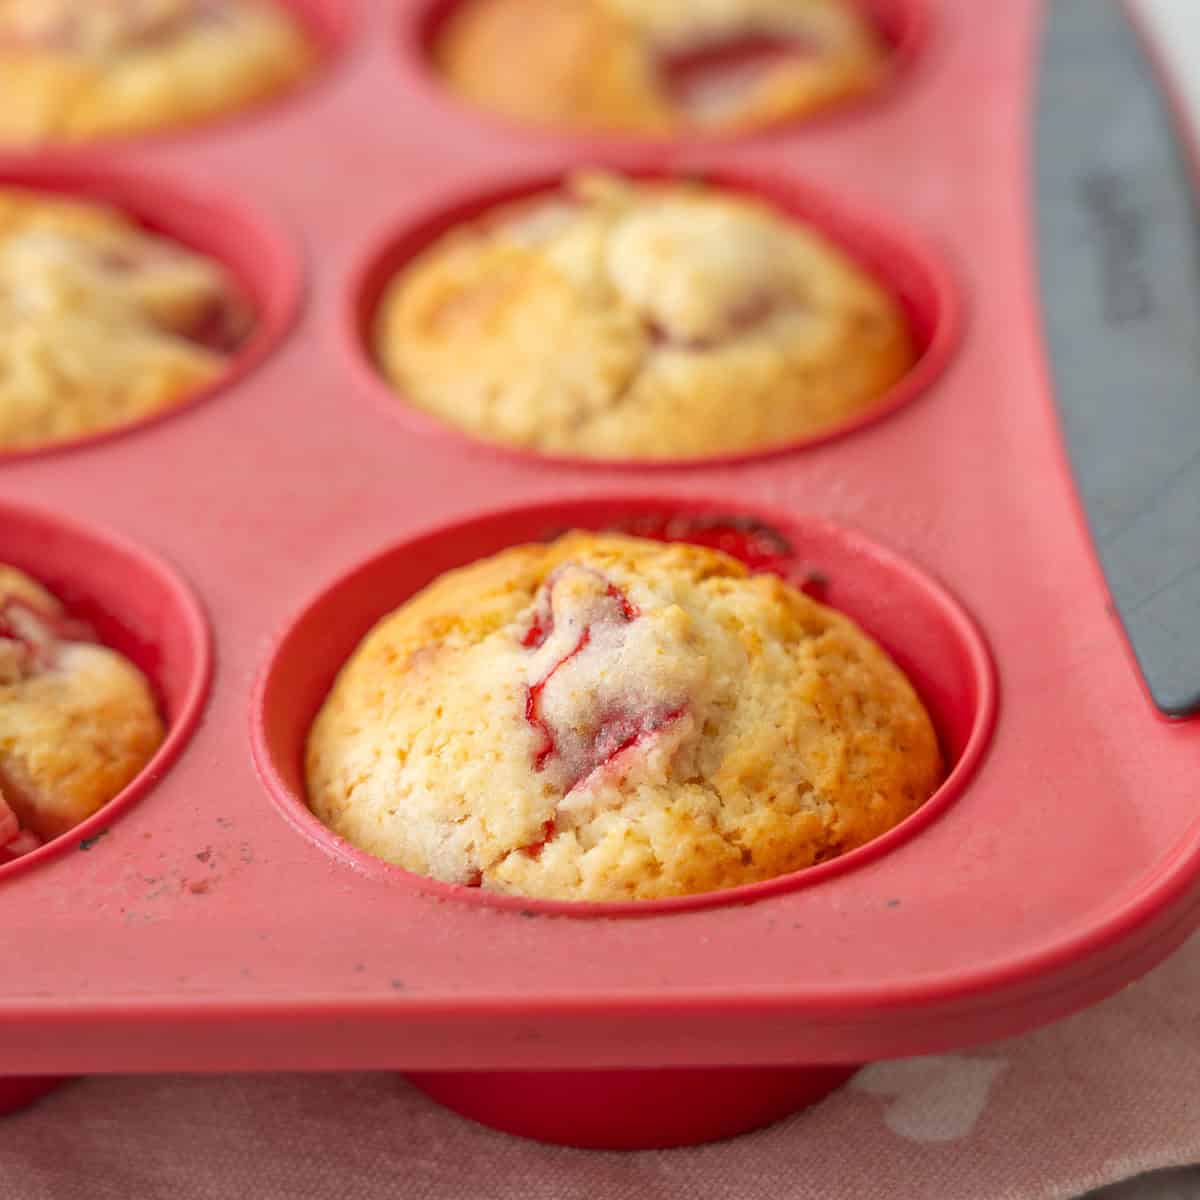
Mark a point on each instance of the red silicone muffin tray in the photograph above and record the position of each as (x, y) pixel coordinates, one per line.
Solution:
(238, 548)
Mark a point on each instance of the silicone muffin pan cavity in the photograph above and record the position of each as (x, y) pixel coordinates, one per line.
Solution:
(261, 262)
(902, 28)
(205, 920)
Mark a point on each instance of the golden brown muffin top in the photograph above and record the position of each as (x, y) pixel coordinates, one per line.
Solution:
(102, 322)
(622, 319)
(77, 720)
(77, 69)
(659, 66)
(610, 718)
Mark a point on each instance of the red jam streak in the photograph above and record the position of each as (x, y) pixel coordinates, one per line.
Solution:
(37, 631)
(221, 328)
(543, 619)
(539, 631)
(755, 310)
(534, 850)
(36, 634)
(13, 840)
(725, 71)
(815, 585)
(619, 730)
(613, 738)
(533, 699)
(55, 625)
(9, 827)
(24, 843)
(749, 540)
(140, 28)
(629, 610)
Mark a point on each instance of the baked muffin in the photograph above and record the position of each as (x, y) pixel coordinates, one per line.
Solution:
(612, 718)
(77, 720)
(77, 69)
(102, 323)
(659, 66)
(639, 320)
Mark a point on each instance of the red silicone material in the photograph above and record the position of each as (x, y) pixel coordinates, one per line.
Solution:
(213, 927)
(20, 1091)
(631, 1110)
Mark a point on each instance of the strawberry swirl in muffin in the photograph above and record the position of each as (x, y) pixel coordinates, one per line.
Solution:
(77, 69)
(101, 322)
(611, 718)
(77, 720)
(627, 320)
(659, 66)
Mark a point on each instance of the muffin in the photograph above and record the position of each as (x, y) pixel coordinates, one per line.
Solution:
(612, 718)
(101, 322)
(77, 720)
(659, 66)
(624, 320)
(77, 69)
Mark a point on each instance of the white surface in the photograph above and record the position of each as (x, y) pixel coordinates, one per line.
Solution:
(1174, 26)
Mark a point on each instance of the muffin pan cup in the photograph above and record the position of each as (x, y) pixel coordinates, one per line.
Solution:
(261, 261)
(920, 625)
(215, 927)
(911, 271)
(134, 602)
(906, 27)
(331, 26)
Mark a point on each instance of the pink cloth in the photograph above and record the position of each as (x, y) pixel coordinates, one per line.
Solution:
(1102, 1096)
